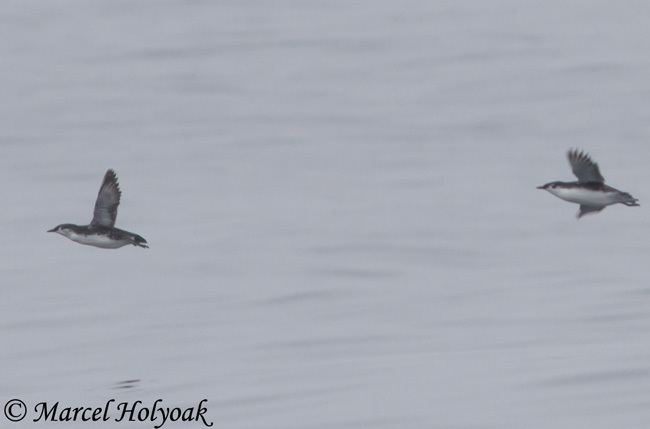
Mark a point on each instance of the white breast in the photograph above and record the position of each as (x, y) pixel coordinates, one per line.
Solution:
(585, 196)
(97, 240)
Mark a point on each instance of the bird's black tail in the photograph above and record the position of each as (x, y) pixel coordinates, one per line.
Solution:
(629, 200)
(139, 241)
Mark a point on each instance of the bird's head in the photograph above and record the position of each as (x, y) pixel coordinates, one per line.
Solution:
(64, 229)
(549, 185)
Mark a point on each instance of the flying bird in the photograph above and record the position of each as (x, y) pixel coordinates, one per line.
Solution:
(102, 232)
(590, 191)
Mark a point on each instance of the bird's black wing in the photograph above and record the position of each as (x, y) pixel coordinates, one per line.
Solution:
(584, 210)
(584, 168)
(107, 201)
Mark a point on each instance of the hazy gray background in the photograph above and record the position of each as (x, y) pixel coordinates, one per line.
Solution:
(340, 202)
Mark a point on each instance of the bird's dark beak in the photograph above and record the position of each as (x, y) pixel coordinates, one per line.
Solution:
(52, 230)
(541, 187)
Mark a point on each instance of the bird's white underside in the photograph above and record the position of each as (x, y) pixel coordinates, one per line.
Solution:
(585, 197)
(94, 240)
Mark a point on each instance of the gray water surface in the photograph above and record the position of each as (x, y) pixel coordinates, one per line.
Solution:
(341, 206)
